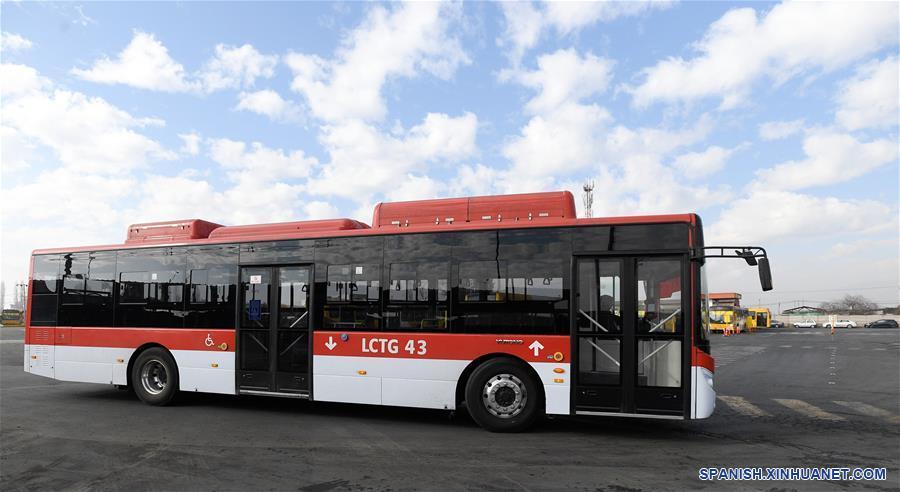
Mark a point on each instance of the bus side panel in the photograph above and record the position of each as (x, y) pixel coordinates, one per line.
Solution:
(92, 364)
(557, 389)
(703, 394)
(39, 350)
(206, 371)
(360, 371)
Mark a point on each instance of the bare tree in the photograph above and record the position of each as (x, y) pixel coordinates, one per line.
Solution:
(849, 304)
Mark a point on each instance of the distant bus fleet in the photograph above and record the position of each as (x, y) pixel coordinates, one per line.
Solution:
(727, 316)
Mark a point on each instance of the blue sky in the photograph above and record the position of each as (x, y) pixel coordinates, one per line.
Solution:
(777, 122)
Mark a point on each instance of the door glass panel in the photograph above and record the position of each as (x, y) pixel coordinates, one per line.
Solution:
(255, 305)
(254, 350)
(659, 363)
(599, 297)
(659, 296)
(292, 351)
(599, 360)
(293, 294)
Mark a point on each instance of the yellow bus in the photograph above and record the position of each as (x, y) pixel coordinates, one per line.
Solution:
(722, 317)
(759, 318)
(12, 317)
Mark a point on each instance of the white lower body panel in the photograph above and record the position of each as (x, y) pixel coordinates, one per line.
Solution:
(419, 383)
(703, 397)
(198, 370)
(205, 371)
(104, 365)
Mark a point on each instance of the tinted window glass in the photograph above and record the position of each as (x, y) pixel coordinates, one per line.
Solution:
(348, 280)
(87, 291)
(151, 288)
(353, 297)
(45, 274)
(418, 296)
(513, 282)
(482, 281)
(277, 252)
(43, 292)
(650, 236)
(212, 287)
(659, 296)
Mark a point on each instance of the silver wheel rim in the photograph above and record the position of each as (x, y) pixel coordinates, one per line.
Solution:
(504, 396)
(154, 377)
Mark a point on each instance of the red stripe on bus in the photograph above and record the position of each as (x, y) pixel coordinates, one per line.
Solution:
(214, 340)
(702, 359)
(532, 348)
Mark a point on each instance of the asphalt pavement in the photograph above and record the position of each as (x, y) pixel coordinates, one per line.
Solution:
(792, 398)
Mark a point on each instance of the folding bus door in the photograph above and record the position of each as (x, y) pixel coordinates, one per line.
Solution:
(628, 335)
(274, 330)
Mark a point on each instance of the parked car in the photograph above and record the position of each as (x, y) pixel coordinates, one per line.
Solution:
(842, 323)
(777, 324)
(883, 323)
(807, 323)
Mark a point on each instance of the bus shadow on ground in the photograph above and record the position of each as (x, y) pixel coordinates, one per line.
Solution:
(631, 428)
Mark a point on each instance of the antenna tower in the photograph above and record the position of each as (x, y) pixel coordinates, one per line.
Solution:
(588, 198)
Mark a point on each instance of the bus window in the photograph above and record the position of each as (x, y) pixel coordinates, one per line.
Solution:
(659, 296)
(418, 294)
(44, 286)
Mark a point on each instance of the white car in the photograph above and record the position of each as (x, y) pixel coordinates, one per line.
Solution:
(842, 323)
(807, 323)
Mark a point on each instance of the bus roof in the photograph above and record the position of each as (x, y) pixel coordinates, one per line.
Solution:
(520, 211)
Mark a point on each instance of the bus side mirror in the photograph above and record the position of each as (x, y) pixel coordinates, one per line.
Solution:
(765, 274)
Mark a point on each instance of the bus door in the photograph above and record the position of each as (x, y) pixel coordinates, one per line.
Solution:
(628, 335)
(274, 330)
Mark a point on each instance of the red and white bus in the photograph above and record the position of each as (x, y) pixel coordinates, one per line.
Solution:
(507, 305)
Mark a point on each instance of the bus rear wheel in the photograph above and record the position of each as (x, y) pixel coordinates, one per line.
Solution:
(154, 377)
(503, 396)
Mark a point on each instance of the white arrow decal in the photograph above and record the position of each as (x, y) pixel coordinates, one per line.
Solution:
(330, 345)
(536, 346)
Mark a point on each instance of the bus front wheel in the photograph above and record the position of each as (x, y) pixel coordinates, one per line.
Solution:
(154, 376)
(502, 395)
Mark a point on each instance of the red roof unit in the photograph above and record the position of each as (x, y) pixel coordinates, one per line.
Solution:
(169, 231)
(286, 230)
(501, 208)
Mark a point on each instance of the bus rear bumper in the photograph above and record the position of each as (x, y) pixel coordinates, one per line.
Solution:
(703, 396)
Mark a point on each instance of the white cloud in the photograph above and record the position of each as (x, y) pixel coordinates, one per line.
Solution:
(830, 158)
(563, 77)
(563, 141)
(474, 180)
(406, 40)
(317, 210)
(259, 163)
(145, 63)
(269, 103)
(234, 67)
(568, 17)
(18, 79)
(770, 216)
(700, 164)
(414, 188)
(364, 161)
(86, 133)
(526, 22)
(793, 37)
(11, 42)
(190, 143)
(776, 130)
(871, 98)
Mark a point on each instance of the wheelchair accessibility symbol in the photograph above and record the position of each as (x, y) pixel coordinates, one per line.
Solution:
(209, 341)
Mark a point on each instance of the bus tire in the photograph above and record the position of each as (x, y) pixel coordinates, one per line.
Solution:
(154, 376)
(502, 395)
